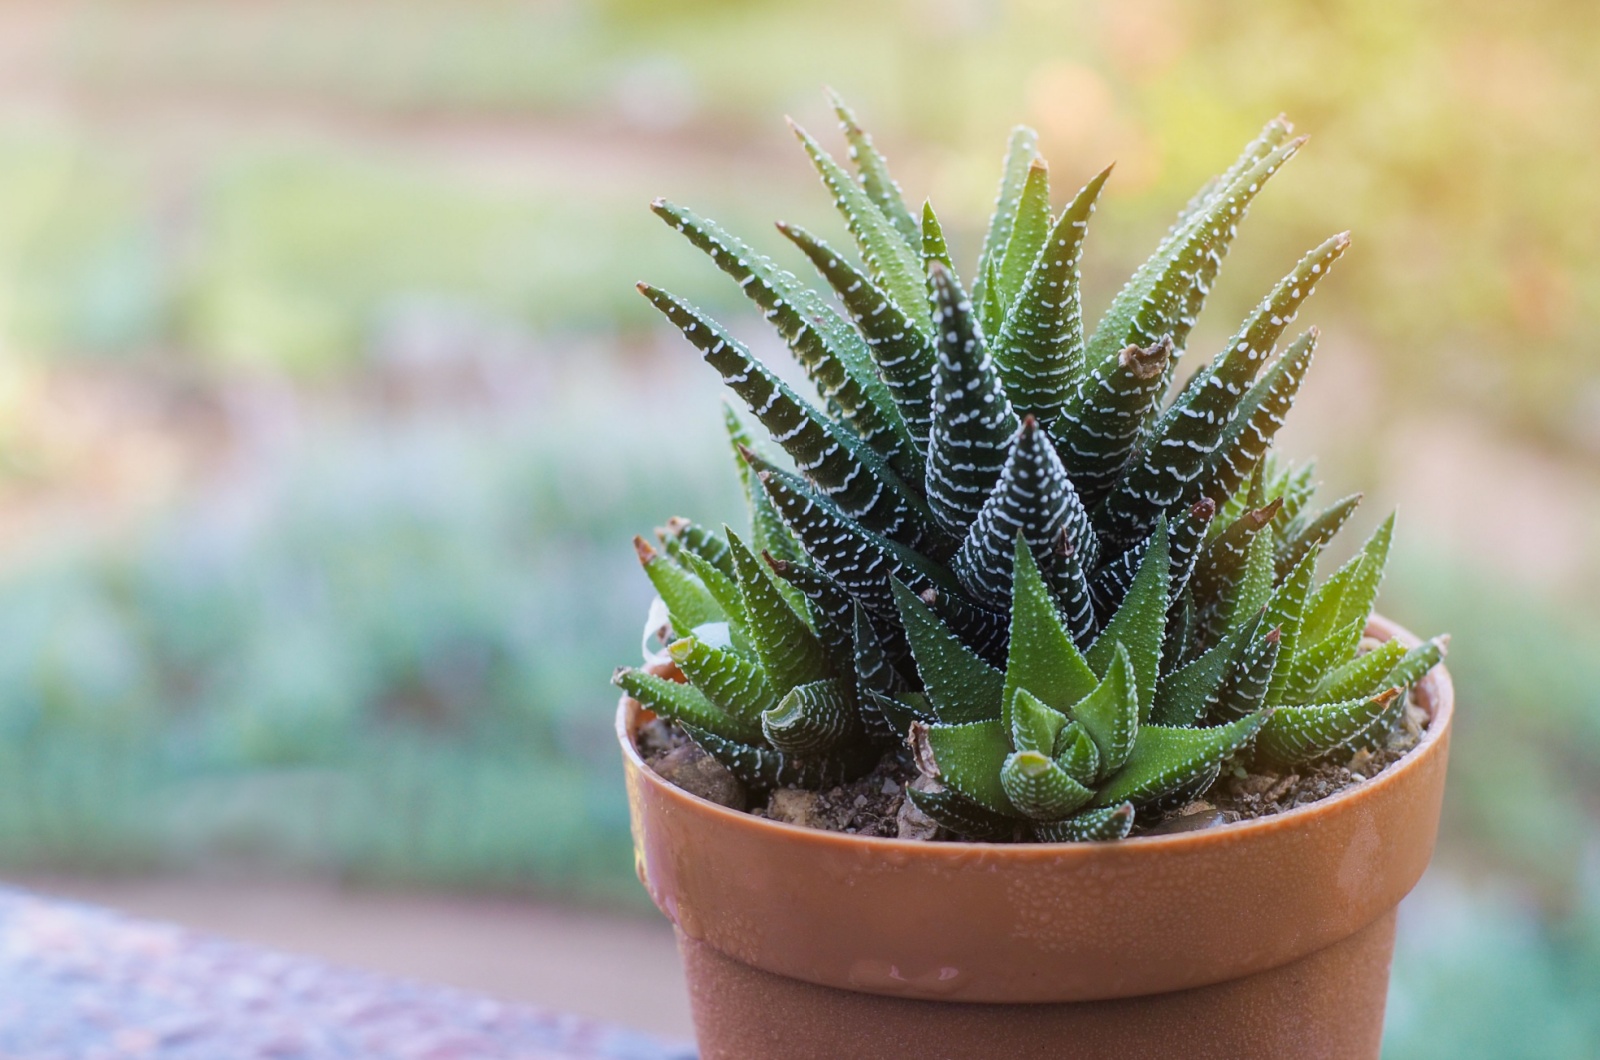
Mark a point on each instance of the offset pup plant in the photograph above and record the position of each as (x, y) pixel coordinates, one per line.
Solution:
(1007, 566)
(1076, 600)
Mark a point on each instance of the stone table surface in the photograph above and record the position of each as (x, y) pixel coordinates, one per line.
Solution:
(80, 983)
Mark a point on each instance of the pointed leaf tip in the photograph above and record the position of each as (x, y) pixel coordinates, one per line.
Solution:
(1204, 509)
(645, 551)
(1147, 362)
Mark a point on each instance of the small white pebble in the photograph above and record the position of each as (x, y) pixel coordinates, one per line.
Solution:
(861, 800)
(1357, 776)
(890, 787)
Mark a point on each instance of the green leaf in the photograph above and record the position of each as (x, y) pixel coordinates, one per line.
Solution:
(1039, 788)
(1035, 499)
(1245, 689)
(1140, 622)
(1417, 662)
(1029, 229)
(894, 265)
(874, 170)
(767, 531)
(1362, 593)
(1044, 660)
(1314, 661)
(960, 686)
(681, 536)
(763, 767)
(962, 816)
(1077, 753)
(1034, 725)
(972, 420)
(789, 651)
(903, 353)
(734, 685)
(1101, 421)
(1165, 760)
(855, 557)
(1363, 676)
(829, 606)
(688, 600)
(1285, 612)
(1298, 735)
(848, 472)
(1110, 714)
(1039, 348)
(1173, 457)
(684, 704)
(1164, 297)
(811, 719)
(834, 356)
(1090, 826)
(934, 246)
(1188, 693)
(1308, 538)
(969, 759)
(1020, 153)
(1257, 420)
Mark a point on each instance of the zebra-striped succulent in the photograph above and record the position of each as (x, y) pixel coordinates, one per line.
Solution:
(1000, 553)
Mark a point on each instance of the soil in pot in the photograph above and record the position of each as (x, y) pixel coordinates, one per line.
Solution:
(875, 805)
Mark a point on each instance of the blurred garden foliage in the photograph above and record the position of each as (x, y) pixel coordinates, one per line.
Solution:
(387, 249)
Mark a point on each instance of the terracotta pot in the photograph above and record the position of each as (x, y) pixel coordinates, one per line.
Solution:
(1264, 938)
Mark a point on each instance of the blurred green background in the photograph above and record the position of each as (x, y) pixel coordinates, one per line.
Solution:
(327, 408)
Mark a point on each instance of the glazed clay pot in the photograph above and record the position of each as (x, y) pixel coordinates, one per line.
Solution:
(1263, 938)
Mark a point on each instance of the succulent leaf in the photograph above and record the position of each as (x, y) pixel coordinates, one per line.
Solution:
(903, 353)
(1109, 715)
(789, 651)
(972, 421)
(735, 685)
(765, 767)
(1308, 538)
(684, 704)
(1297, 735)
(1363, 676)
(1039, 788)
(1257, 420)
(1174, 455)
(1104, 414)
(1139, 624)
(1044, 660)
(767, 531)
(1022, 149)
(835, 358)
(1029, 229)
(688, 600)
(1039, 347)
(1165, 760)
(1033, 499)
(962, 816)
(960, 686)
(811, 719)
(1090, 826)
(893, 264)
(851, 474)
(969, 758)
(873, 169)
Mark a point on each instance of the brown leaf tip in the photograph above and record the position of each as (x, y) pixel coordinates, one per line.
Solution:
(644, 550)
(1146, 362)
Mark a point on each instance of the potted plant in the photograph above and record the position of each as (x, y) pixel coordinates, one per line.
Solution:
(1019, 723)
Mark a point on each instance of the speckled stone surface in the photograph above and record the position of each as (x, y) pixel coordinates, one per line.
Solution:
(78, 983)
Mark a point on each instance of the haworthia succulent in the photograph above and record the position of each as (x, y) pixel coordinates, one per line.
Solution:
(1000, 547)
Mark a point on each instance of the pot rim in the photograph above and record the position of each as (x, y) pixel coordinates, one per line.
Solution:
(1435, 693)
